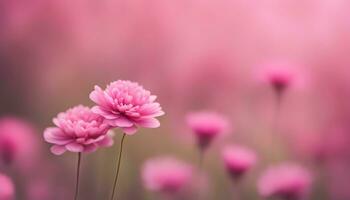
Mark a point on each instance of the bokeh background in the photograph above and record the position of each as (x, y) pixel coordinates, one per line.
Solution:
(194, 55)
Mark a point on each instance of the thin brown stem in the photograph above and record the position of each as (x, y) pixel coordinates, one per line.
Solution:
(77, 178)
(201, 159)
(118, 167)
(236, 190)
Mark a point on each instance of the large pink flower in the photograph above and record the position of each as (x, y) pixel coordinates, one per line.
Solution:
(287, 181)
(7, 189)
(166, 174)
(207, 125)
(78, 130)
(238, 160)
(127, 105)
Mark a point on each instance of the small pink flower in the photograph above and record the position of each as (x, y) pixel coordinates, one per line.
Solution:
(127, 105)
(166, 174)
(7, 189)
(287, 181)
(78, 130)
(280, 76)
(206, 126)
(238, 160)
(17, 142)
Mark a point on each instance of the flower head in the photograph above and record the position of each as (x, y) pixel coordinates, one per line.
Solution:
(238, 160)
(206, 126)
(78, 130)
(166, 174)
(17, 142)
(287, 181)
(280, 76)
(7, 189)
(127, 105)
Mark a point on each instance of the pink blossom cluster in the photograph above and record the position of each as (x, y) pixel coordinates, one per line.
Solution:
(123, 104)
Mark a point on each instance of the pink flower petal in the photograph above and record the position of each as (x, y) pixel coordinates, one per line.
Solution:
(129, 130)
(90, 148)
(100, 111)
(106, 142)
(58, 150)
(120, 122)
(75, 147)
(56, 136)
(149, 123)
(97, 95)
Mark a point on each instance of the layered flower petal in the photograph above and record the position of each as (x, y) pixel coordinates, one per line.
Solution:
(78, 130)
(126, 105)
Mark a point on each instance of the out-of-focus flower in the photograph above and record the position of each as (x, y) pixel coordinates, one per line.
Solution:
(280, 76)
(17, 142)
(287, 181)
(238, 160)
(78, 130)
(127, 105)
(206, 126)
(322, 147)
(166, 174)
(7, 189)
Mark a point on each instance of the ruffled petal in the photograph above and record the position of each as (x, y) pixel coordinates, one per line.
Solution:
(98, 97)
(120, 122)
(100, 111)
(58, 150)
(90, 148)
(129, 130)
(106, 142)
(149, 123)
(75, 147)
(56, 136)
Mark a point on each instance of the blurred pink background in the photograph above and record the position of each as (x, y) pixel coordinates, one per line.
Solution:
(194, 55)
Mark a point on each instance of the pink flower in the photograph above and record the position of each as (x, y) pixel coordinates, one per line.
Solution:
(280, 76)
(288, 181)
(206, 126)
(166, 174)
(17, 142)
(7, 190)
(78, 130)
(238, 160)
(127, 105)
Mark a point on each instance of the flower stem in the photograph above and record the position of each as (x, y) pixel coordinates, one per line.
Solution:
(201, 159)
(236, 190)
(77, 180)
(118, 166)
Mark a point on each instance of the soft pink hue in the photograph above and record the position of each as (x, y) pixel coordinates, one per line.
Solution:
(331, 144)
(238, 160)
(17, 142)
(7, 189)
(280, 75)
(78, 130)
(166, 174)
(127, 105)
(206, 126)
(288, 181)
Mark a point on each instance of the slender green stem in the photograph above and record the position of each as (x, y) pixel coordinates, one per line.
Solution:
(118, 166)
(77, 180)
